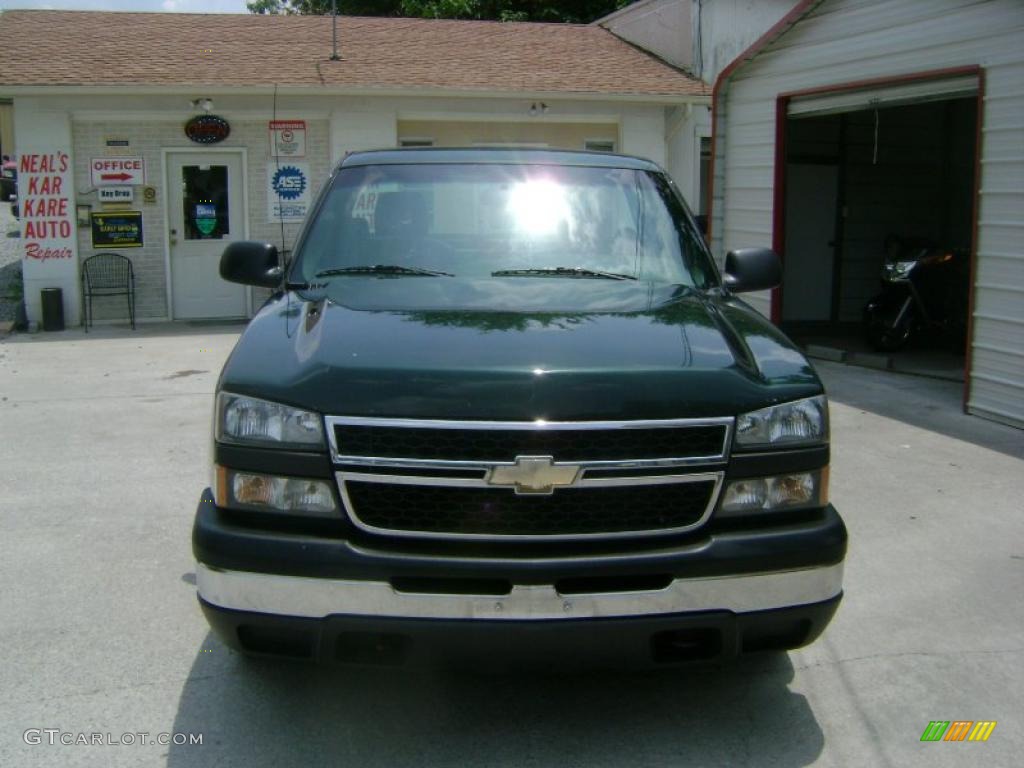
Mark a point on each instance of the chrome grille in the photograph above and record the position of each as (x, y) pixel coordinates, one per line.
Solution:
(528, 480)
(487, 512)
(567, 444)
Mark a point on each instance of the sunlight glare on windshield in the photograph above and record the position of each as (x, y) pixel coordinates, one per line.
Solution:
(537, 207)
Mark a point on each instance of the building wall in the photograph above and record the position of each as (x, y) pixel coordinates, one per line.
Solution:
(723, 29)
(77, 125)
(149, 138)
(660, 26)
(7, 129)
(700, 36)
(684, 130)
(467, 134)
(852, 40)
(45, 178)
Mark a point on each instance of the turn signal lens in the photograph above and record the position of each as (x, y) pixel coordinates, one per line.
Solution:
(769, 494)
(790, 490)
(249, 490)
(256, 489)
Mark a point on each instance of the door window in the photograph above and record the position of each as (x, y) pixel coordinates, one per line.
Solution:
(205, 201)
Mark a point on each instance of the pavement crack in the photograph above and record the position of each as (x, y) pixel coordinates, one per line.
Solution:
(906, 654)
(116, 688)
(208, 393)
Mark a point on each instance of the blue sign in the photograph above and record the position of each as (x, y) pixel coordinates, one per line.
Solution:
(206, 211)
(289, 182)
(288, 191)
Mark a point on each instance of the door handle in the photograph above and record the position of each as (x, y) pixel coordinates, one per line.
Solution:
(174, 237)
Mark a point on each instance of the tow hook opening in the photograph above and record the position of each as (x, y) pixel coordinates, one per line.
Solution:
(378, 648)
(780, 636)
(680, 645)
(276, 641)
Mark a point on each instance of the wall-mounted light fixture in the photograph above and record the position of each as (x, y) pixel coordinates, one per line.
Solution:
(204, 104)
(538, 108)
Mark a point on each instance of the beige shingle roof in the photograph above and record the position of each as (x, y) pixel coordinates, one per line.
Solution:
(85, 48)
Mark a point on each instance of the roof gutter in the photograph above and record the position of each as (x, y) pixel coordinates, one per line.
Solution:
(778, 29)
(8, 91)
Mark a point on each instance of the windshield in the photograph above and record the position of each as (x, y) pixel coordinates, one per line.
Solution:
(502, 221)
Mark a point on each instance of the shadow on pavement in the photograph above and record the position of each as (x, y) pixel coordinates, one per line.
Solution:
(268, 712)
(923, 402)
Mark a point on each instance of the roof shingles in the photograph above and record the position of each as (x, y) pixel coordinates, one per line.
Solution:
(48, 48)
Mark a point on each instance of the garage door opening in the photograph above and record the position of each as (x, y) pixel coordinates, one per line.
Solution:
(871, 178)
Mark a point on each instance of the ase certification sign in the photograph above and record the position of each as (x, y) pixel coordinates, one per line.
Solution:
(117, 229)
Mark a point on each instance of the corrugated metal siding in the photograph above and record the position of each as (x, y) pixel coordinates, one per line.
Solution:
(849, 40)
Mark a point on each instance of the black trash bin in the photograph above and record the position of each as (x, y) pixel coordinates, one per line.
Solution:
(53, 309)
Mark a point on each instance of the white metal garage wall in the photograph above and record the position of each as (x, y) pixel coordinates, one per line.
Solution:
(843, 41)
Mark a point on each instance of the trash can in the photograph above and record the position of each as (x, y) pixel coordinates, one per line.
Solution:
(53, 309)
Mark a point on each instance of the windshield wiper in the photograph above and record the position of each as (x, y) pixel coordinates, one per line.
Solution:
(382, 269)
(560, 272)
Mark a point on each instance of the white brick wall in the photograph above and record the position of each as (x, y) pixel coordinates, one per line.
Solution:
(147, 139)
(335, 125)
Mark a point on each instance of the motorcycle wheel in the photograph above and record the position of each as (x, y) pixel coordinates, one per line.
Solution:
(883, 336)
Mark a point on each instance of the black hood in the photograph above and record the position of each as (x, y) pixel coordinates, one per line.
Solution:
(515, 349)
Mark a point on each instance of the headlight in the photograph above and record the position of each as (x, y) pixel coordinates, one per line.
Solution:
(898, 270)
(801, 422)
(250, 421)
(799, 490)
(235, 489)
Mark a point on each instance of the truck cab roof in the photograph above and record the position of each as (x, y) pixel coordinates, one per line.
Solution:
(496, 155)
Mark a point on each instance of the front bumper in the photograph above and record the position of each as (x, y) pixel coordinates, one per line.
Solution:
(715, 596)
(635, 641)
(299, 596)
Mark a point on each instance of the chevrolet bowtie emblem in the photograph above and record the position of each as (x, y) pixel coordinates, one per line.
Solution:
(534, 474)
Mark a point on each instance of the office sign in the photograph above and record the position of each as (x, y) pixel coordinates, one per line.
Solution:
(117, 171)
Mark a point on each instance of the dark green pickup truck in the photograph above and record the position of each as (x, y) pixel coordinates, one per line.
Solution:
(503, 402)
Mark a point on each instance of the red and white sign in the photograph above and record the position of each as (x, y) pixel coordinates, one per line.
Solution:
(287, 138)
(44, 183)
(117, 171)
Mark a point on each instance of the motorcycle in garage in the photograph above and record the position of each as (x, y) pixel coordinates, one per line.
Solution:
(924, 291)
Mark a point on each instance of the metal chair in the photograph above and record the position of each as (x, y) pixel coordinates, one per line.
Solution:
(108, 274)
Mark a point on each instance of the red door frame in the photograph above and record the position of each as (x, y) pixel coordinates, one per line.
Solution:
(779, 179)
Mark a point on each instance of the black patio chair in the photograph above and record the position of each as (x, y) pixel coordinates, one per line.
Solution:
(108, 274)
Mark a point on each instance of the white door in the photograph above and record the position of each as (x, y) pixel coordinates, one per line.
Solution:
(812, 193)
(204, 200)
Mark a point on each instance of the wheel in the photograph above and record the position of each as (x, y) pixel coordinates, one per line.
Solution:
(883, 336)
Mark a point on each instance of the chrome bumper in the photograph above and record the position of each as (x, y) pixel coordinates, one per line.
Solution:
(300, 596)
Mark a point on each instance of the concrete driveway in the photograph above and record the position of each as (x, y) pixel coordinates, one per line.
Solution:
(104, 451)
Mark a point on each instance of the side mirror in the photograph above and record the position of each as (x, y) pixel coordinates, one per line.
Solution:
(752, 269)
(251, 263)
